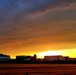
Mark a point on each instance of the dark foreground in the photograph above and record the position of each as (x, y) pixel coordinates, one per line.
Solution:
(37, 69)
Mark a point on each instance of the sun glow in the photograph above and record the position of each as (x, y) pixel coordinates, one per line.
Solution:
(49, 53)
(68, 52)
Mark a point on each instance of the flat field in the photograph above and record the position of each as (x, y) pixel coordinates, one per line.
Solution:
(37, 69)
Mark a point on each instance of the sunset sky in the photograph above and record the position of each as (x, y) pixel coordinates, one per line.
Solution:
(35, 26)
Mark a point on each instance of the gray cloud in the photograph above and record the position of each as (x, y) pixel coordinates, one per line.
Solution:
(14, 11)
(10, 8)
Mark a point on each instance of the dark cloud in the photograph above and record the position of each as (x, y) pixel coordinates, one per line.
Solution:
(14, 9)
(22, 20)
(11, 8)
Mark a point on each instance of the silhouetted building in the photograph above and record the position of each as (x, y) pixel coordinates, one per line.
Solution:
(34, 57)
(53, 58)
(66, 58)
(4, 57)
(23, 58)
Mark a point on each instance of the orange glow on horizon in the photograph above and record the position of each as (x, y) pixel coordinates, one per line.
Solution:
(68, 52)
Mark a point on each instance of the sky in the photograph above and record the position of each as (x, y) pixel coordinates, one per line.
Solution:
(34, 26)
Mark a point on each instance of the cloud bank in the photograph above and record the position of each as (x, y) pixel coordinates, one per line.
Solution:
(15, 9)
(32, 22)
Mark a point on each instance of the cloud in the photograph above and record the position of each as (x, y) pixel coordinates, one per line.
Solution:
(12, 12)
(10, 8)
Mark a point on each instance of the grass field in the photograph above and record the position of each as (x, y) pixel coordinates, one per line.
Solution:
(37, 69)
